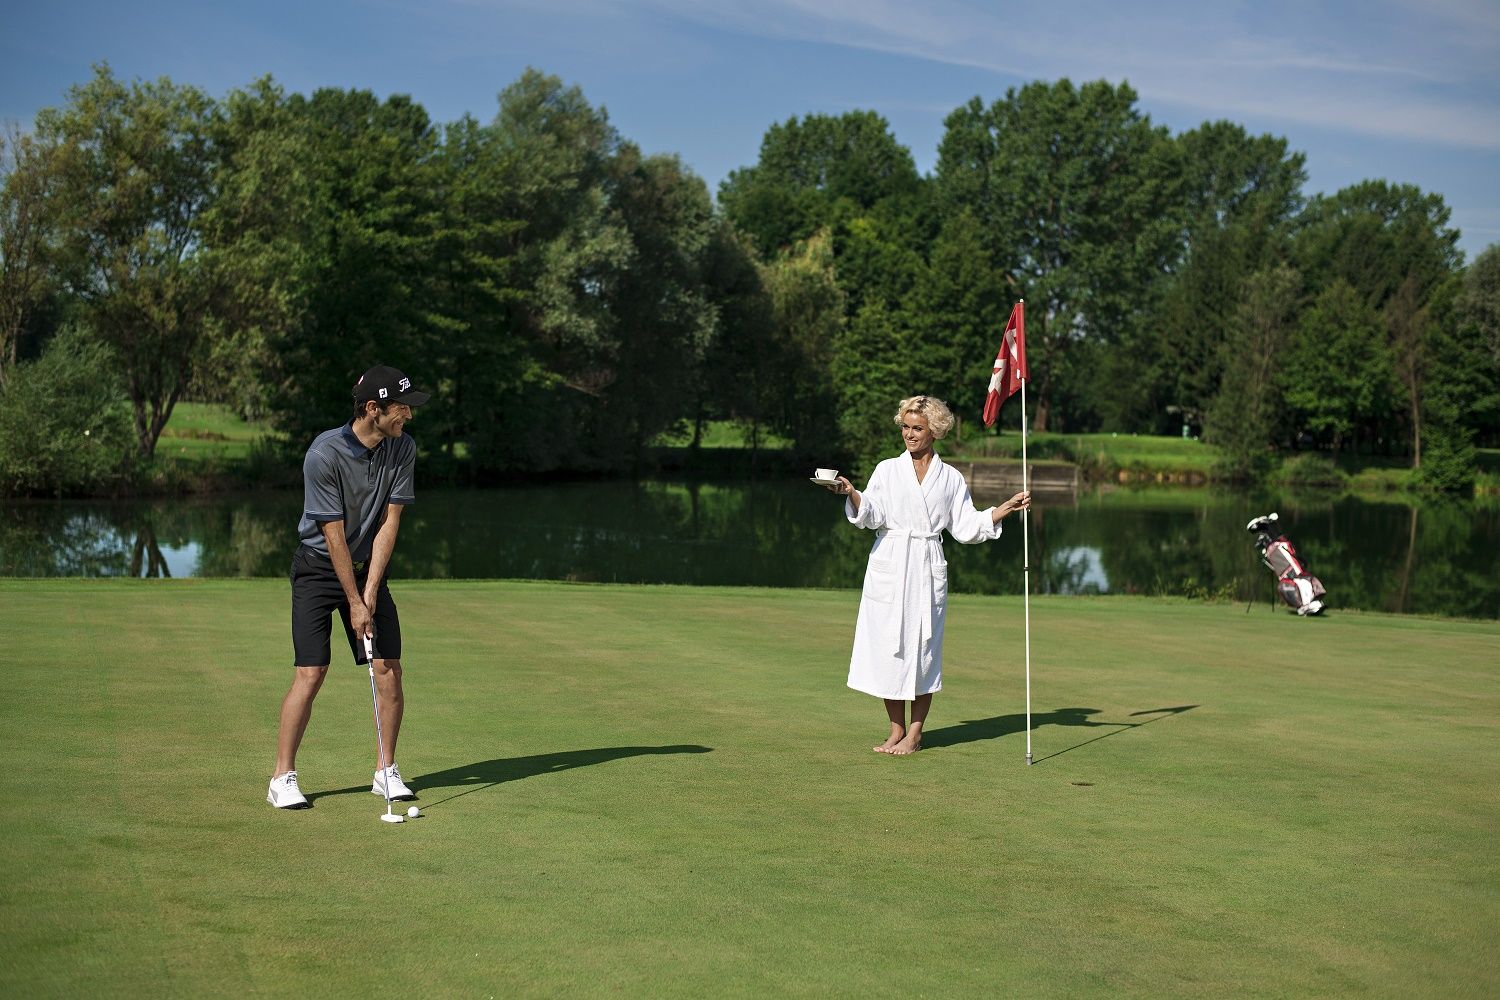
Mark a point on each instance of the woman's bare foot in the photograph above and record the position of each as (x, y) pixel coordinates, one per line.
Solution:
(892, 740)
(910, 744)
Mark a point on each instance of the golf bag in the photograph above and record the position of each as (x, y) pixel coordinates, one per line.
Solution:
(1299, 588)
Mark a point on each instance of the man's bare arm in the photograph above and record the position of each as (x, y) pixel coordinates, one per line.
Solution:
(343, 566)
(380, 555)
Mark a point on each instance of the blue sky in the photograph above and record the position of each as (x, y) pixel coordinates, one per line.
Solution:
(1405, 90)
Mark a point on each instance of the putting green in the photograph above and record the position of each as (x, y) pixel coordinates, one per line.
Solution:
(660, 791)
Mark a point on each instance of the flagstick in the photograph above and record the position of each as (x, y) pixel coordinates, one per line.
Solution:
(1026, 561)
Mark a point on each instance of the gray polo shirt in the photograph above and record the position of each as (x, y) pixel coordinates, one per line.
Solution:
(345, 481)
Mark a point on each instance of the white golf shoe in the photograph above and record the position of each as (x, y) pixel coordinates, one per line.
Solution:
(399, 791)
(284, 793)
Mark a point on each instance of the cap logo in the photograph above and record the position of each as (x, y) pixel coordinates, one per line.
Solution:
(384, 393)
(404, 384)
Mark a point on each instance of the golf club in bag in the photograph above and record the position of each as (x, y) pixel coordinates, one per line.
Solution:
(389, 816)
(1302, 591)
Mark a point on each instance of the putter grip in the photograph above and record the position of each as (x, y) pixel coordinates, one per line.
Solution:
(369, 650)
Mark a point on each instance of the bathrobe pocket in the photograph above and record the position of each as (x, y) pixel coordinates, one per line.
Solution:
(881, 582)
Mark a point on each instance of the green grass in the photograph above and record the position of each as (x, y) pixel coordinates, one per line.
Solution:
(211, 437)
(1105, 452)
(720, 434)
(199, 432)
(652, 791)
(1144, 457)
(1384, 480)
(1488, 479)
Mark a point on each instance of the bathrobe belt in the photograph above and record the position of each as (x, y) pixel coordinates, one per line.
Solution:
(903, 533)
(899, 618)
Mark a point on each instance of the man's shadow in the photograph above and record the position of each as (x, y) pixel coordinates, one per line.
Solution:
(972, 730)
(488, 773)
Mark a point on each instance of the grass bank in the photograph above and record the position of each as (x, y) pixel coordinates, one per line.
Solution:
(208, 432)
(207, 447)
(660, 791)
(1134, 458)
(1101, 456)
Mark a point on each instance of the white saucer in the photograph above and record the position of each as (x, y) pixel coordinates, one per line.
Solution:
(824, 482)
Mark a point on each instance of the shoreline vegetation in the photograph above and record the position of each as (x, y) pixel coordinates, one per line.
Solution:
(206, 448)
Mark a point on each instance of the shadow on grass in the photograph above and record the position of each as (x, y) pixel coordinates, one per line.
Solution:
(488, 773)
(972, 730)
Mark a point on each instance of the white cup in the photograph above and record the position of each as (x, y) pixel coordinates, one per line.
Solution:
(826, 474)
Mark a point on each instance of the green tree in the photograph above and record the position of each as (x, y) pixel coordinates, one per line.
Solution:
(1375, 235)
(1339, 376)
(136, 168)
(807, 315)
(549, 171)
(1242, 417)
(64, 425)
(958, 312)
(1408, 316)
(664, 318)
(479, 358)
(366, 244)
(811, 172)
(1476, 330)
(878, 254)
(1461, 396)
(1075, 191)
(846, 175)
(872, 372)
(258, 227)
(1240, 195)
(1392, 245)
(1459, 388)
(740, 364)
(28, 204)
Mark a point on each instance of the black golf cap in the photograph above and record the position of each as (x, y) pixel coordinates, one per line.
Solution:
(385, 384)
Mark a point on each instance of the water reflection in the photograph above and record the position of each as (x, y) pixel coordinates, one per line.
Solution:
(235, 536)
(1078, 569)
(1435, 558)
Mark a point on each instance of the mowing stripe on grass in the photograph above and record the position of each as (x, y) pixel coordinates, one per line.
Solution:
(668, 791)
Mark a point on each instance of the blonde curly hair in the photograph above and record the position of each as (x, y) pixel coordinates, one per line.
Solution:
(939, 417)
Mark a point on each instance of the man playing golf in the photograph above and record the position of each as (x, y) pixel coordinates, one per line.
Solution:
(356, 479)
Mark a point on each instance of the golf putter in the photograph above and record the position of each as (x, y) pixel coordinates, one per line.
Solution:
(385, 784)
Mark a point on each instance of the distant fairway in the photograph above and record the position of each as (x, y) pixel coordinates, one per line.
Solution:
(661, 791)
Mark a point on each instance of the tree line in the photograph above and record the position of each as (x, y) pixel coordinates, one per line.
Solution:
(568, 297)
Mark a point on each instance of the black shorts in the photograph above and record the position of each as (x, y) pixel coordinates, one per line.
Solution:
(317, 593)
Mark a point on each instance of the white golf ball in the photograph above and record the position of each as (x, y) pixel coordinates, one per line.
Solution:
(413, 812)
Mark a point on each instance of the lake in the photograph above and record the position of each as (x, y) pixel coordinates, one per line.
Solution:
(1436, 558)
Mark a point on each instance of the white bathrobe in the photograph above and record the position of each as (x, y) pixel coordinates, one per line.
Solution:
(898, 638)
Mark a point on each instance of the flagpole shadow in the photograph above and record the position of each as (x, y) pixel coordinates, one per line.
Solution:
(973, 730)
(1124, 727)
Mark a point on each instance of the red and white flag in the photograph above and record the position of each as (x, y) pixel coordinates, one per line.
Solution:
(1010, 365)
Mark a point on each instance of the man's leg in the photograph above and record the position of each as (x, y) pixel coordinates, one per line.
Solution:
(388, 688)
(316, 592)
(392, 704)
(296, 709)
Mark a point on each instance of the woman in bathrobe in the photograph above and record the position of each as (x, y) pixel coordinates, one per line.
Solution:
(910, 500)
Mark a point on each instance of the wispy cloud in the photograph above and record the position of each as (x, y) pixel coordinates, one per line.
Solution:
(1478, 21)
(1372, 69)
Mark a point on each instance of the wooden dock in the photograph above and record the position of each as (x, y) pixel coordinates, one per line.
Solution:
(991, 478)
